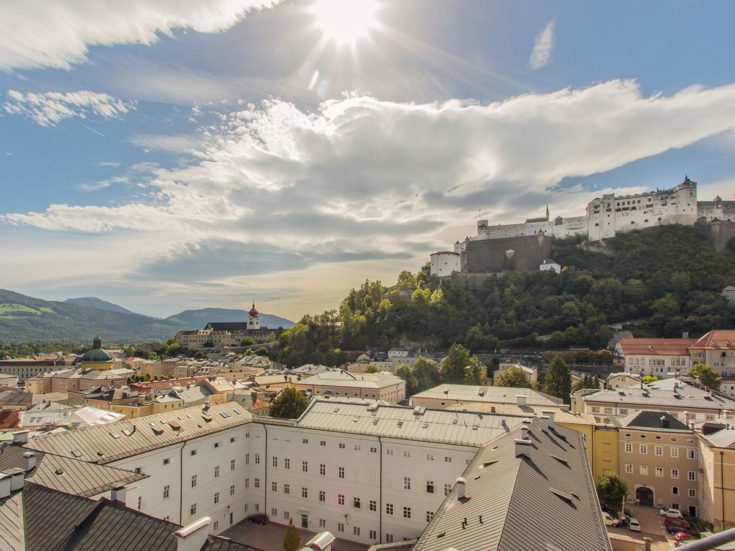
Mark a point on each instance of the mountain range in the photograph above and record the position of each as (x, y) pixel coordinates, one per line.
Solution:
(28, 319)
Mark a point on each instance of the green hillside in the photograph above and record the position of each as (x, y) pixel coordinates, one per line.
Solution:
(666, 280)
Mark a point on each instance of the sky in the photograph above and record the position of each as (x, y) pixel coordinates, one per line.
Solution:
(175, 154)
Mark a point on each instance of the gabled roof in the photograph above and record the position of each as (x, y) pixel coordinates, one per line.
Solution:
(655, 420)
(541, 499)
(113, 441)
(656, 347)
(489, 394)
(717, 339)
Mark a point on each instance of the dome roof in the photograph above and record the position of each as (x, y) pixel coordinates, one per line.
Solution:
(253, 312)
(96, 354)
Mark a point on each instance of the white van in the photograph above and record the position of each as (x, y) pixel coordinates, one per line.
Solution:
(609, 519)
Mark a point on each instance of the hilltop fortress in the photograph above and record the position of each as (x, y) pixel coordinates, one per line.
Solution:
(527, 246)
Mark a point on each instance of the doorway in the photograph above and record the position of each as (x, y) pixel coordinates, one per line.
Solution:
(644, 496)
(304, 521)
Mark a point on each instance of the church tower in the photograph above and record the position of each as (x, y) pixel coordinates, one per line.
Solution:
(253, 321)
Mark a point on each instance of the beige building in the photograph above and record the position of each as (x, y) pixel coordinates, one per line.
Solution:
(622, 380)
(444, 396)
(657, 357)
(77, 379)
(717, 481)
(716, 349)
(530, 373)
(340, 383)
(659, 461)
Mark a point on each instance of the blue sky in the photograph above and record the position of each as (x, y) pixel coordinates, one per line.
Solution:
(176, 154)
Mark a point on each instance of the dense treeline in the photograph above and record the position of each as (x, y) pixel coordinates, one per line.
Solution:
(663, 280)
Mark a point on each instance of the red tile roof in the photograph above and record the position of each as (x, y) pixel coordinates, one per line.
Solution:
(717, 339)
(657, 347)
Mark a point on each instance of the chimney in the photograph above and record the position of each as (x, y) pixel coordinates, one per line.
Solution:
(118, 495)
(544, 422)
(17, 476)
(29, 461)
(523, 447)
(193, 536)
(4, 485)
(524, 432)
(685, 335)
(686, 418)
(461, 483)
(20, 437)
(520, 399)
(550, 415)
(664, 422)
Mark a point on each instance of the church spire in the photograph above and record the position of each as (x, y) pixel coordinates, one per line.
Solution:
(547, 213)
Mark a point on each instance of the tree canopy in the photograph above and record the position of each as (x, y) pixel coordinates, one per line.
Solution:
(611, 490)
(706, 376)
(289, 404)
(292, 540)
(513, 377)
(558, 380)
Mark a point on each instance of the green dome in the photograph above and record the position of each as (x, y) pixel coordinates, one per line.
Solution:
(96, 354)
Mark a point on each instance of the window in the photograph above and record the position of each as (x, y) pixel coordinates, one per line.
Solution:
(430, 457)
(659, 471)
(447, 459)
(323, 443)
(643, 448)
(304, 493)
(216, 471)
(658, 450)
(287, 463)
(406, 512)
(373, 535)
(675, 490)
(232, 464)
(692, 492)
(193, 452)
(193, 509)
(256, 483)
(341, 445)
(166, 461)
(247, 459)
(322, 469)
(286, 515)
(691, 453)
(340, 499)
(274, 512)
(274, 486)
(389, 538)
(691, 476)
(232, 490)
(388, 508)
(247, 483)
(406, 482)
(373, 450)
(322, 523)
(340, 527)
(357, 448)
(166, 491)
(406, 453)
(356, 502)
(138, 470)
(643, 470)
(623, 411)
(629, 468)
(305, 466)
(674, 473)
(216, 524)
(286, 488)
(628, 447)
(674, 451)
(216, 444)
(193, 481)
(356, 530)
(305, 441)
(257, 459)
(429, 516)
(256, 507)
(373, 505)
(447, 489)
(322, 495)
(275, 461)
(388, 451)
(232, 440)
(429, 486)
(216, 497)
(341, 472)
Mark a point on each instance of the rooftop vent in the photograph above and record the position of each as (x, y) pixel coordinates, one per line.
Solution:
(521, 399)
(419, 410)
(523, 447)
(461, 484)
(561, 460)
(563, 496)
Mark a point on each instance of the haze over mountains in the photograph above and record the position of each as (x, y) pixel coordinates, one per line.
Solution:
(29, 319)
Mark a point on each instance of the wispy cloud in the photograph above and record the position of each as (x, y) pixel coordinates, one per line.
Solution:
(542, 46)
(38, 33)
(50, 108)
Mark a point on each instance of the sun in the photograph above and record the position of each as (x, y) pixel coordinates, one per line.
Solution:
(344, 22)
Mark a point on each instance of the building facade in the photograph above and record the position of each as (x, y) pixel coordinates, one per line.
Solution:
(656, 357)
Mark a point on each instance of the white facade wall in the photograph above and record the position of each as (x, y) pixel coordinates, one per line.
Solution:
(657, 365)
(174, 466)
(444, 263)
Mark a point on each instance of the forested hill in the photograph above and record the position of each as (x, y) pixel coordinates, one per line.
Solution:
(666, 280)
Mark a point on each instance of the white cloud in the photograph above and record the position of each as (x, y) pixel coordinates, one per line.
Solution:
(50, 108)
(38, 33)
(542, 46)
(363, 180)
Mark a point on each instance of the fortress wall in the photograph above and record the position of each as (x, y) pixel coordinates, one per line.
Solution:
(489, 255)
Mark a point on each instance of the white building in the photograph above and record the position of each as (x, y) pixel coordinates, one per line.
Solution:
(340, 383)
(657, 357)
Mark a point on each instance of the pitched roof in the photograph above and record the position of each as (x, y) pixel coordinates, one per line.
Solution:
(656, 347)
(68, 475)
(423, 424)
(648, 419)
(113, 441)
(544, 498)
(488, 394)
(717, 339)
(340, 377)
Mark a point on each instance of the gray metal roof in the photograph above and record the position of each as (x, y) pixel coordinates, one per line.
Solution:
(488, 394)
(345, 379)
(11, 523)
(113, 441)
(674, 393)
(391, 421)
(543, 500)
(68, 475)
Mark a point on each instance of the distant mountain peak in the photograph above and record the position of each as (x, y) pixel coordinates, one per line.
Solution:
(94, 302)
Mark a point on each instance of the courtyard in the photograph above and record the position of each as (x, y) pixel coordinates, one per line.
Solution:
(270, 537)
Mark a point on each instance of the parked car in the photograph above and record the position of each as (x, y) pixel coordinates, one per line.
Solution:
(681, 536)
(259, 518)
(671, 513)
(634, 525)
(609, 519)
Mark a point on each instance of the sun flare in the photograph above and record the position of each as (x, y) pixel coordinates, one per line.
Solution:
(346, 21)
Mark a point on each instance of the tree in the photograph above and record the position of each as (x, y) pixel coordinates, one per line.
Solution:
(473, 372)
(453, 366)
(289, 404)
(371, 369)
(247, 341)
(611, 490)
(513, 377)
(558, 380)
(587, 381)
(426, 373)
(292, 540)
(706, 376)
(406, 373)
